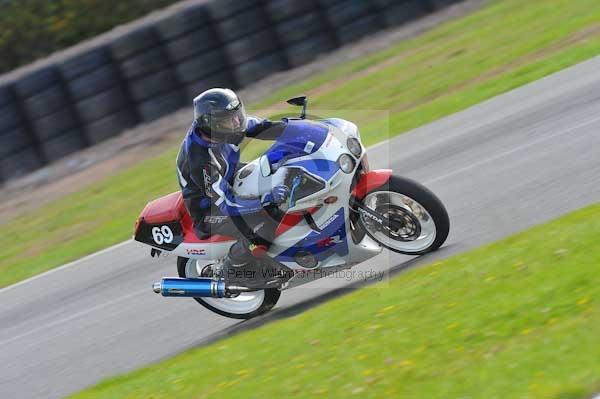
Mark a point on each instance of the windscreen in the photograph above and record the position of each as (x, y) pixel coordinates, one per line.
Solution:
(299, 138)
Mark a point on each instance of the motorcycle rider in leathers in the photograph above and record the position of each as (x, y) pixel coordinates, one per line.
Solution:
(206, 163)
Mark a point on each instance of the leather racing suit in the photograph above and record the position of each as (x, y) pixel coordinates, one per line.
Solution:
(205, 173)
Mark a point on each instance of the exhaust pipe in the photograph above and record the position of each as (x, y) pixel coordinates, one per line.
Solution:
(190, 287)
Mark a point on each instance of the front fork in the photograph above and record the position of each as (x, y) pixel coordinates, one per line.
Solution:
(366, 183)
(374, 216)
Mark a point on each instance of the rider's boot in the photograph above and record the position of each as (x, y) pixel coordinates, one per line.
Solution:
(248, 265)
(239, 265)
(242, 256)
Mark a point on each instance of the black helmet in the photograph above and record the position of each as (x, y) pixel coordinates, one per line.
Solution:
(220, 115)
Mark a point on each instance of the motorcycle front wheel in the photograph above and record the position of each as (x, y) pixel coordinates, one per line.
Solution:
(243, 306)
(421, 222)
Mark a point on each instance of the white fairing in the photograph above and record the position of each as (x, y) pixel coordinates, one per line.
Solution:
(250, 183)
(253, 184)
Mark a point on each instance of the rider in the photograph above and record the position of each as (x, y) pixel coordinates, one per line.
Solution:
(207, 161)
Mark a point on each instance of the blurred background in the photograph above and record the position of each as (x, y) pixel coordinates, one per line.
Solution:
(499, 103)
(150, 68)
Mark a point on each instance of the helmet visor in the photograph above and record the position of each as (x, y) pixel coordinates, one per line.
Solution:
(229, 122)
(229, 126)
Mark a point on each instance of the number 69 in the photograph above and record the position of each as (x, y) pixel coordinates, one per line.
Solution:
(162, 235)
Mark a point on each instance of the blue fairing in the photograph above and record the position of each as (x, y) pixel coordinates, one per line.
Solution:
(320, 167)
(300, 137)
(331, 240)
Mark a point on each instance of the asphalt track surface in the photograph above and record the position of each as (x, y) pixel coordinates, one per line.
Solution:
(512, 162)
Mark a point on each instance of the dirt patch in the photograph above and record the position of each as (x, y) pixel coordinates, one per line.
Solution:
(81, 169)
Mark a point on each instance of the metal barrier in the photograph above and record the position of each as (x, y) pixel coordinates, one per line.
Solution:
(157, 65)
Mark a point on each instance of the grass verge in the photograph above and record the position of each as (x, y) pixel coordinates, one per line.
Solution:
(515, 319)
(500, 47)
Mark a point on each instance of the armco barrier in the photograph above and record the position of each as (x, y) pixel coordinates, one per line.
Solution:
(153, 66)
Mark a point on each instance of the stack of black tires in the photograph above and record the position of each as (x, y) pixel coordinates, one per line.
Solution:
(148, 73)
(301, 28)
(157, 65)
(195, 49)
(96, 91)
(252, 47)
(18, 153)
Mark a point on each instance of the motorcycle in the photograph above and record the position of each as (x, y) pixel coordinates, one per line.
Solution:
(339, 213)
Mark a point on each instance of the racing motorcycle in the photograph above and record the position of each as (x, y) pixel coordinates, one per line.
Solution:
(339, 213)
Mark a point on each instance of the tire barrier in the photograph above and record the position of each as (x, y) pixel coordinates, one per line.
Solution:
(151, 83)
(105, 127)
(350, 19)
(18, 155)
(51, 118)
(196, 51)
(15, 137)
(302, 29)
(154, 66)
(95, 86)
(249, 39)
(396, 13)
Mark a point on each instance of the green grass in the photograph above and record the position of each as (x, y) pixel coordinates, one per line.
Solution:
(504, 45)
(515, 319)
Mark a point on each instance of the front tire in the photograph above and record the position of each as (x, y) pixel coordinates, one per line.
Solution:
(245, 306)
(423, 217)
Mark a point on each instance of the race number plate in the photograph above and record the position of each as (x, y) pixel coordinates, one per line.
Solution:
(165, 236)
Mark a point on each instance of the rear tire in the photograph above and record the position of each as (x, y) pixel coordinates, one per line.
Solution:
(433, 225)
(269, 298)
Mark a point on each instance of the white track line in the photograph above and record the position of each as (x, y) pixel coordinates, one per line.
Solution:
(66, 265)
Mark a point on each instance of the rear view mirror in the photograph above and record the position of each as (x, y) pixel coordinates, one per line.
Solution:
(299, 101)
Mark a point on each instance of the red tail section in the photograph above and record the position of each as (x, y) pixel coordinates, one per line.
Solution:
(165, 209)
(171, 208)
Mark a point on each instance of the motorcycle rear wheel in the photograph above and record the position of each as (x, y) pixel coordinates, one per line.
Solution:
(244, 306)
(423, 217)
